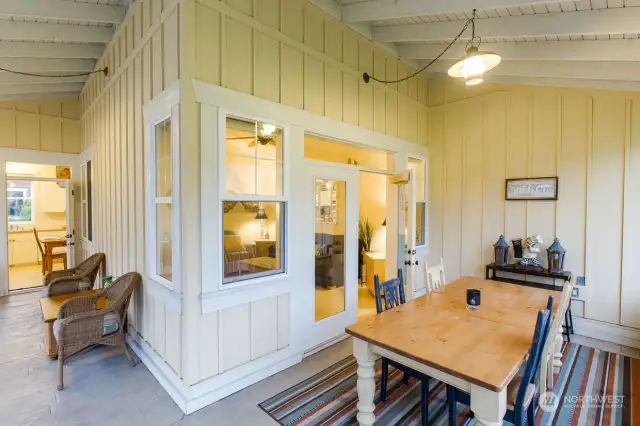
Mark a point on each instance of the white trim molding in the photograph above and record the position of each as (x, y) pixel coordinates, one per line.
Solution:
(608, 332)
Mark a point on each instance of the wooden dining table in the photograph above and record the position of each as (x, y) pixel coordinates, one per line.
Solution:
(478, 352)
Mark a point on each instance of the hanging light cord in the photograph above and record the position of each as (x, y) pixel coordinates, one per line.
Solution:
(366, 76)
(104, 70)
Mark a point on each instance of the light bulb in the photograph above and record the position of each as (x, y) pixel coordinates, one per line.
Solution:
(268, 129)
(472, 65)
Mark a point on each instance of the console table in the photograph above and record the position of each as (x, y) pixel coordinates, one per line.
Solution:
(490, 274)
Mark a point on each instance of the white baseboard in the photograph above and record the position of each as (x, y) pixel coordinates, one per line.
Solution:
(608, 332)
(193, 398)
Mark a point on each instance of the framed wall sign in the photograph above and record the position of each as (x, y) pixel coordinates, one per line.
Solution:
(542, 188)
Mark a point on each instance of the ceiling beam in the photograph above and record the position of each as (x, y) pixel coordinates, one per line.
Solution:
(565, 82)
(17, 49)
(62, 9)
(13, 30)
(585, 50)
(390, 9)
(34, 89)
(38, 65)
(623, 71)
(10, 78)
(589, 22)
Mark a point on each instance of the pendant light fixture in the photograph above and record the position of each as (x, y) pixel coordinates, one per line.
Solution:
(471, 66)
(475, 63)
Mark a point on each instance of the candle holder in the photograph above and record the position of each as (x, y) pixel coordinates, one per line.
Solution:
(473, 299)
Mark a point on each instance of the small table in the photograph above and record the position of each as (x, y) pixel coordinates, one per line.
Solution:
(262, 247)
(259, 264)
(536, 271)
(50, 307)
(49, 245)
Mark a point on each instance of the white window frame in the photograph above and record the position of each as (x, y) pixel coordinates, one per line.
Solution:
(32, 198)
(224, 284)
(164, 106)
(85, 201)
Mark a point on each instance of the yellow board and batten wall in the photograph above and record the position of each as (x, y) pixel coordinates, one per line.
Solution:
(143, 60)
(42, 125)
(589, 138)
(291, 52)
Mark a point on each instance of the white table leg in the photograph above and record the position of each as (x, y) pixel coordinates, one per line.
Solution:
(557, 350)
(366, 381)
(488, 407)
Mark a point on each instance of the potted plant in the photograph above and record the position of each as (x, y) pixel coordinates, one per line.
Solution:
(365, 236)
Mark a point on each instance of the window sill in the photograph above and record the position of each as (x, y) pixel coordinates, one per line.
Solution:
(245, 292)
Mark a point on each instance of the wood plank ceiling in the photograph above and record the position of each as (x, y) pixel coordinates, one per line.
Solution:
(586, 43)
(53, 37)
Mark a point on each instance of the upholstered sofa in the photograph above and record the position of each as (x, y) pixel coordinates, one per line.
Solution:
(234, 252)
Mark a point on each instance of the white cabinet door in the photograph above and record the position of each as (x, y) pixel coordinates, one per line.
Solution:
(24, 250)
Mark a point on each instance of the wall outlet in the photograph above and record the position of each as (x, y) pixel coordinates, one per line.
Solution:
(575, 293)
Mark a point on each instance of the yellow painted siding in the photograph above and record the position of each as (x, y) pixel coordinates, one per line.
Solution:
(291, 52)
(589, 138)
(143, 60)
(45, 125)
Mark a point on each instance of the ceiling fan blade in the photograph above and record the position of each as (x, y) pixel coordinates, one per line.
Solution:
(252, 143)
(241, 137)
(272, 142)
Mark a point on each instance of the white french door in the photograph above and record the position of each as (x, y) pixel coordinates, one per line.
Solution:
(331, 212)
(70, 224)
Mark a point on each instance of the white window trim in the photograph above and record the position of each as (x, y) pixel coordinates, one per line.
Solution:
(164, 106)
(84, 202)
(32, 198)
(222, 183)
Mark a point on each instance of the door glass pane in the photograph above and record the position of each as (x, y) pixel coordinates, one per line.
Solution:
(163, 229)
(417, 165)
(163, 158)
(420, 228)
(329, 277)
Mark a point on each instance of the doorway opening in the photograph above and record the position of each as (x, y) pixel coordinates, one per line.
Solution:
(372, 235)
(38, 220)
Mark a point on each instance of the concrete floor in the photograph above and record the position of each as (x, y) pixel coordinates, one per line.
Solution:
(102, 389)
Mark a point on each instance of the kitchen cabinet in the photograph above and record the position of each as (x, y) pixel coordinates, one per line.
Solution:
(374, 264)
(23, 250)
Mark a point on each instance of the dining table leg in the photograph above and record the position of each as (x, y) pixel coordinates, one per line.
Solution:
(366, 381)
(489, 407)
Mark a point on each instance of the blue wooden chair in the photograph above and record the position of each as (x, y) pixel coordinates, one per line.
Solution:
(394, 296)
(521, 392)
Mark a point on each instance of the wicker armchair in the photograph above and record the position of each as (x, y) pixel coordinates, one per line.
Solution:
(73, 280)
(82, 324)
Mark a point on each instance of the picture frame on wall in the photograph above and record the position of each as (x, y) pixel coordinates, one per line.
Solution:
(532, 189)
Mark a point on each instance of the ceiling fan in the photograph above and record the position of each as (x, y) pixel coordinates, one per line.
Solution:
(266, 136)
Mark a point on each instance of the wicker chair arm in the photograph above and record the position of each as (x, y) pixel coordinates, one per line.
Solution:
(78, 305)
(64, 285)
(51, 276)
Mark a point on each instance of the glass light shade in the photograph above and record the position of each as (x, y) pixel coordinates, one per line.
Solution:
(268, 129)
(261, 213)
(473, 65)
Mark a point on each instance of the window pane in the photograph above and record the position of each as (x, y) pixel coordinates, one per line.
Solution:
(241, 175)
(248, 144)
(329, 248)
(163, 158)
(89, 204)
(252, 239)
(163, 232)
(324, 149)
(417, 165)
(19, 202)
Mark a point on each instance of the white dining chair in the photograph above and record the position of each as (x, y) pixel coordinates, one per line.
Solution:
(435, 276)
(554, 338)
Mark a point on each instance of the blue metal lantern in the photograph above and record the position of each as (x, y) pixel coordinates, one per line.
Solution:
(502, 252)
(555, 256)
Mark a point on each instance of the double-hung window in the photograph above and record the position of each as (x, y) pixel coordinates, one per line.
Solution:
(253, 204)
(162, 165)
(19, 200)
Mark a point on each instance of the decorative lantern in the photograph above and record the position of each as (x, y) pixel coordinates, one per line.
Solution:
(555, 256)
(502, 251)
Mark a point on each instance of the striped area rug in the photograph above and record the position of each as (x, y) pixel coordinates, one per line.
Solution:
(588, 378)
